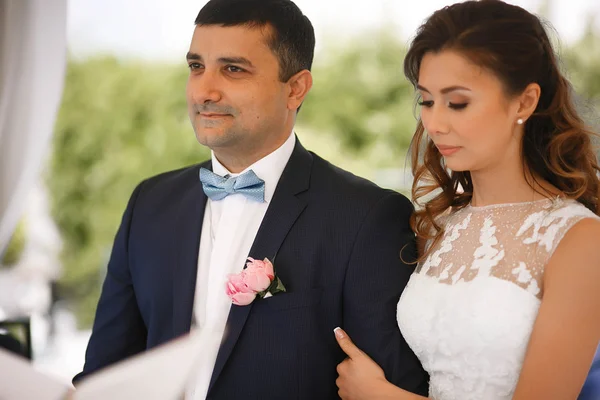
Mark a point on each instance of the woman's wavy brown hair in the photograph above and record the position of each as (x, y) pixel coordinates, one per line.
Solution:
(513, 44)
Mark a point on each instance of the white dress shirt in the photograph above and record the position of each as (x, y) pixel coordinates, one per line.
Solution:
(228, 232)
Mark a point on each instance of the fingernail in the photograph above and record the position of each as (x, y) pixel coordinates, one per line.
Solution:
(339, 333)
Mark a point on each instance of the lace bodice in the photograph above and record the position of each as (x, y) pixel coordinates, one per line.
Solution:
(469, 308)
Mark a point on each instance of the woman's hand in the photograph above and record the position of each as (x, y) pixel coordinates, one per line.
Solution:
(359, 376)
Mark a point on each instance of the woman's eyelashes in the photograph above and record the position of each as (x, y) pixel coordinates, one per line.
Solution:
(454, 106)
(457, 106)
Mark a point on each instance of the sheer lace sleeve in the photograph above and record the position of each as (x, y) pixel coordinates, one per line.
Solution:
(512, 242)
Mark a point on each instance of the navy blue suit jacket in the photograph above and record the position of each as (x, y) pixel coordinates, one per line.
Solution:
(591, 388)
(337, 241)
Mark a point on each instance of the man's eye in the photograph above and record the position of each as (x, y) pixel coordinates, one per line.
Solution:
(194, 66)
(233, 68)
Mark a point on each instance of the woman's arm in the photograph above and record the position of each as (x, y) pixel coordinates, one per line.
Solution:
(567, 329)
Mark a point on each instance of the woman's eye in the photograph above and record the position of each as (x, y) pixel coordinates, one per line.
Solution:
(457, 106)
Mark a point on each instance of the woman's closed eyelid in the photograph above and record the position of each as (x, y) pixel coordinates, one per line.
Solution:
(457, 106)
(449, 104)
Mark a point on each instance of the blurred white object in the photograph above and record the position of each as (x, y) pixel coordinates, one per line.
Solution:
(33, 47)
(64, 354)
(160, 373)
(25, 288)
(21, 381)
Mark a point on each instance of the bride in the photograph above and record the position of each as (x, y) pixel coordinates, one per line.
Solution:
(505, 300)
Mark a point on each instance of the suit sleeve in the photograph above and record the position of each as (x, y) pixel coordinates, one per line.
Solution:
(118, 331)
(379, 269)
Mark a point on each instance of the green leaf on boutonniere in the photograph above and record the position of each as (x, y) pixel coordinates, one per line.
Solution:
(279, 287)
(275, 287)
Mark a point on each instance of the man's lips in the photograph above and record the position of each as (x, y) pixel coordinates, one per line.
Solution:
(213, 115)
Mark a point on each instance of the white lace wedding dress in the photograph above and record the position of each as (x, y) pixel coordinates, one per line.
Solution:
(469, 308)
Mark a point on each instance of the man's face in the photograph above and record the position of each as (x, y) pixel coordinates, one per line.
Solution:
(236, 101)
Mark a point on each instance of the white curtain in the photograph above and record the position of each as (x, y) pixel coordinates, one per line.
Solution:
(33, 46)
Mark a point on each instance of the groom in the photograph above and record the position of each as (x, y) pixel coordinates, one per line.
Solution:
(337, 241)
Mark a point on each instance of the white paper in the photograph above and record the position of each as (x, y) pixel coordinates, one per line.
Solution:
(161, 373)
(19, 380)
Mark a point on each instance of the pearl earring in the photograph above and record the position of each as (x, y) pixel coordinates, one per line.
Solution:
(520, 121)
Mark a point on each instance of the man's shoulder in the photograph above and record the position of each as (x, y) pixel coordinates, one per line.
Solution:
(172, 183)
(182, 176)
(330, 178)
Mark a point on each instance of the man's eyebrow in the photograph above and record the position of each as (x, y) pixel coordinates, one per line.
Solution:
(236, 60)
(193, 56)
(222, 60)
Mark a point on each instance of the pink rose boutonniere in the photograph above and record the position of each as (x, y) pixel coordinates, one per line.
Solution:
(257, 279)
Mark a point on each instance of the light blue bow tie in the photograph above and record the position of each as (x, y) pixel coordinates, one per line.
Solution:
(217, 187)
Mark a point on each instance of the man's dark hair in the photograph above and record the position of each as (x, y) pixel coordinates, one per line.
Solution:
(293, 36)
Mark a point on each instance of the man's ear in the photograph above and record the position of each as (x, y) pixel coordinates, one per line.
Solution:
(299, 85)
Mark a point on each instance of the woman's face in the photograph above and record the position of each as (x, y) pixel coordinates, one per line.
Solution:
(467, 114)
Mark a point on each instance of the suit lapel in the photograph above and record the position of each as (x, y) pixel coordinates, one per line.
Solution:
(284, 209)
(187, 242)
